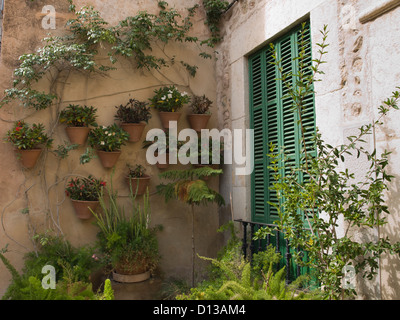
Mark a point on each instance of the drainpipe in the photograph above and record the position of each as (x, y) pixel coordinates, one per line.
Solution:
(230, 5)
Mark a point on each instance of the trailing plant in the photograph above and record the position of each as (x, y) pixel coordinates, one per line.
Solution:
(169, 99)
(214, 10)
(108, 138)
(78, 116)
(87, 33)
(85, 189)
(309, 212)
(26, 137)
(133, 112)
(200, 105)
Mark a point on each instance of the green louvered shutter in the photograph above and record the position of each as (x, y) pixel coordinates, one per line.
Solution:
(273, 119)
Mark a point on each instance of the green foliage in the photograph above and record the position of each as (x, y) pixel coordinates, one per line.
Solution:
(73, 268)
(234, 278)
(26, 137)
(169, 99)
(133, 112)
(78, 116)
(87, 33)
(108, 138)
(189, 187)
(127, 242)
(137, 172)
(310, 212)
(63, 149)
(214, 10)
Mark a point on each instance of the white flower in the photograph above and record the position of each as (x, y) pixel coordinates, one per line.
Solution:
(169, 96)
(163, 98)
(110, 134)
(170, 91)
(184, 94)
(106, 132)
(102, 143)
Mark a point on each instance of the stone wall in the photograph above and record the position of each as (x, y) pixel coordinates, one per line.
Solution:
(42, 189)
(361, 72)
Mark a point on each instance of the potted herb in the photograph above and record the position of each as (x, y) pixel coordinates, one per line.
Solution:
(84, 194)
(168, 101)
(133, 116)
(209, 153)
(137, 179)
(28, 141)
(200, 115)
(107, 141)
(78, 119)
(128, 243)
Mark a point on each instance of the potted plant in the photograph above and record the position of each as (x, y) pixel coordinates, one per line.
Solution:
(78, 119)
(133, 116)
(210, 154)
(107, 141)
(200, 115)
(28, 141)
(128, 244)
(84, 194)
(137, 179)
(168, 101)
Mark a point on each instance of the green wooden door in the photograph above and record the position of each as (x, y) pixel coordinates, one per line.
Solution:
(274, 121)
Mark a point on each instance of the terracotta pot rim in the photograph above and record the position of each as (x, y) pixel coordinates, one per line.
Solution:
(84, 200)
(142, 123)
(34, 149)
(144, 177)
(199, 114)
(116, 151)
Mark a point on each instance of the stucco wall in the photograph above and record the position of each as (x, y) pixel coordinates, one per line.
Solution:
(42, 189)
(362, 70)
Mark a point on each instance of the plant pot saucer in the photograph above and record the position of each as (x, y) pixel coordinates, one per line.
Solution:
(131, 278)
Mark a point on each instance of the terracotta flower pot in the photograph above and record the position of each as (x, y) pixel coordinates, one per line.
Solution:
(139, 184)
(166, 117)
(108, 159)
(198, 121)
(163, 165)
(82, 208)
(135, 130)
(28, 158)
(77, 135)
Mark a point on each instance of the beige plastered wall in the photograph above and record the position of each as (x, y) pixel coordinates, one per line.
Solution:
(361, 72)
(41, 189)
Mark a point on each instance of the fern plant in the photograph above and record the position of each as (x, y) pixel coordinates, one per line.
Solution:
(189, 187)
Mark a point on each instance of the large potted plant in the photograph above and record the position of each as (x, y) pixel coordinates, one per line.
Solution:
(137, 179)
(107, 141)
(28, 142)
(78, 119)
(200, 115)
(168, 101)
(133, 116)
(128, 243)
(84, 194)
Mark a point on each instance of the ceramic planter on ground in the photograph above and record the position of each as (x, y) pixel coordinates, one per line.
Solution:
(28, 158)
(139, 184)
(77, 135)
(135, 130)
(166, 117)
(108, 158)
(198, 121)
(82, 208)
(131, 278)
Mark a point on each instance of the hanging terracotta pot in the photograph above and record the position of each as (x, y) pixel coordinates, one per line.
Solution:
(163, 165)
(77, 135)
(198, 121)
(135, 130)
(139, 184)
(28, 158)
(82, 208)
(108, 159)
(166, 117)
